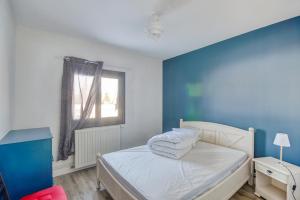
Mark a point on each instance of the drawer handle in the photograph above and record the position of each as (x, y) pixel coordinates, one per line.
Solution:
(269, 172)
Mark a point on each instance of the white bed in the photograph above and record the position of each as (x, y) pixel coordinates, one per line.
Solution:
(215, 169)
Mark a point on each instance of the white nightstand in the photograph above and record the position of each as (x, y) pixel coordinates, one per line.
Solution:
(273, 181)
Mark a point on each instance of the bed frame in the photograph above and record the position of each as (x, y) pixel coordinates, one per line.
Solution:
(219, 134)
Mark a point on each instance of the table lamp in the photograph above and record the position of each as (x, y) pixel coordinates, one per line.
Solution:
(282, 140)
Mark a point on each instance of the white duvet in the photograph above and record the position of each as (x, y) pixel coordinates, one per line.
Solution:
(155, 177)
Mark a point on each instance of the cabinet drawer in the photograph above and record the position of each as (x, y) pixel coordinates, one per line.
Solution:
(272, 173)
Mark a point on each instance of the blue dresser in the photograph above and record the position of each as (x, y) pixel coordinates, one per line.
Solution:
(26, 161)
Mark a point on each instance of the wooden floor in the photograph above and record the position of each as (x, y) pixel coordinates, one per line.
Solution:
(81, 185)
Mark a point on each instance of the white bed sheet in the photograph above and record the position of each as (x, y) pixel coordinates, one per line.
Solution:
(153, 177)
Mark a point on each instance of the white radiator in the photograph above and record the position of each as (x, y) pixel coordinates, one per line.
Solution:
(90, 141)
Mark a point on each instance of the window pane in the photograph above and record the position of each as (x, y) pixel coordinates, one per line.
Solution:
(109, 97)
(84, 83)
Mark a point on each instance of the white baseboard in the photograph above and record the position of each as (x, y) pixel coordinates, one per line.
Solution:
(64, 171)
(65, 167)
(62, 167)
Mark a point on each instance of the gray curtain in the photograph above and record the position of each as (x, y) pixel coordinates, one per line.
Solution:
(73, 67)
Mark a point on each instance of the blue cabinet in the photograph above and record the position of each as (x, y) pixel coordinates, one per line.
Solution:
(26, 161)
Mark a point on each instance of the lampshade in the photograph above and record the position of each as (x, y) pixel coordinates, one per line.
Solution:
(282, 139)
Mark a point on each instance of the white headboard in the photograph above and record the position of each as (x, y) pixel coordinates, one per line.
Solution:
(223, 135)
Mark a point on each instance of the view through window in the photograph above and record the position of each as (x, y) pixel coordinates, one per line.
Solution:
(109, 97)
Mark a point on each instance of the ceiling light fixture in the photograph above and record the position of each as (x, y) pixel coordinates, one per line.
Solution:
(155, 28)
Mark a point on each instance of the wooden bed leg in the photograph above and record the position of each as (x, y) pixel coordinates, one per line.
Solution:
(99, 186)
(251, 179)
(258, 195)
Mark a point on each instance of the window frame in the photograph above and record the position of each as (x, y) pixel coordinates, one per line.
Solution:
(98, 121)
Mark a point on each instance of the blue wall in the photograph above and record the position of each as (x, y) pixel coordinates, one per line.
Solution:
(252, 80)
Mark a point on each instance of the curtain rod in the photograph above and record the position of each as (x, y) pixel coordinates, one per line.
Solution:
(104, 63)
(67, 58)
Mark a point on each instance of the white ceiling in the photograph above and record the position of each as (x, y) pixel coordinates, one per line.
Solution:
(188, 24)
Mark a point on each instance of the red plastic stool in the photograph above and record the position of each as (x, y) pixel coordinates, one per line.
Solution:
(54, 193)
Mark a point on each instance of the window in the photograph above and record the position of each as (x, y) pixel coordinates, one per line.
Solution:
(112, 103)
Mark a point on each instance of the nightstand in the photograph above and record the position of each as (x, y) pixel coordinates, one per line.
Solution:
(273, 181)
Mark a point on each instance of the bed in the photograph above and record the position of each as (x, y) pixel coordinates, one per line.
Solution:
(214, 169)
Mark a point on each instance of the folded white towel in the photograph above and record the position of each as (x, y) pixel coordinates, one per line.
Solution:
(172, 144)
(181, 145)
(171, 153)
(173, 139)
(168, 149)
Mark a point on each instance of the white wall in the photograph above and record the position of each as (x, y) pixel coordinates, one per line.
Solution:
(7, 44)
(38, 75)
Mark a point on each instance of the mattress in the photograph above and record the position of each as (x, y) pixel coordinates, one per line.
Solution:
(153, 177)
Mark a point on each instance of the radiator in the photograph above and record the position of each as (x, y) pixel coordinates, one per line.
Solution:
(90, 141)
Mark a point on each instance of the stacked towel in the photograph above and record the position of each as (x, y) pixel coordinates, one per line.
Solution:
(173, 144)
